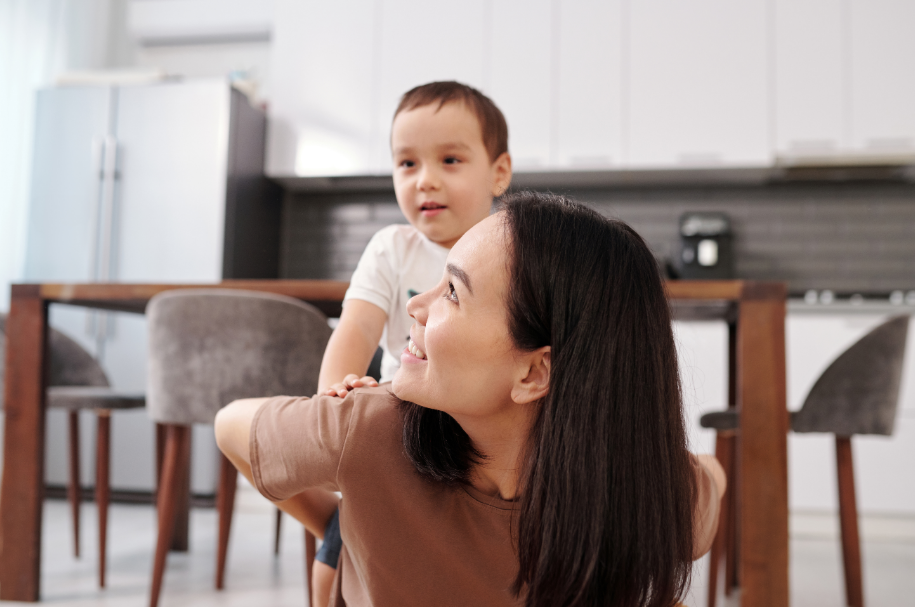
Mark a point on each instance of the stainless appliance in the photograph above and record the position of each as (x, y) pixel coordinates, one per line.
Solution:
(149, 183)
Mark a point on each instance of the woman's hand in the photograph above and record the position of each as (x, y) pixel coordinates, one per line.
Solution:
(349, 382)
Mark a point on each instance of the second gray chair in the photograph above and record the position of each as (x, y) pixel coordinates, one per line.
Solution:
(857, 394)
(206, 349)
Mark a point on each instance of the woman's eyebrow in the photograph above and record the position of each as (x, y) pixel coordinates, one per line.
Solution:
(461, 275)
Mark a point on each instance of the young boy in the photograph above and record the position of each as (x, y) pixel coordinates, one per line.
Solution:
(449, 144)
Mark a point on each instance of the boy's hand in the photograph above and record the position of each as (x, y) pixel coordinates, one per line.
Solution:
(349, 382)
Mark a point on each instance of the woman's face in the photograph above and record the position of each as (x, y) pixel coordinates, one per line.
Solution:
(463, 360)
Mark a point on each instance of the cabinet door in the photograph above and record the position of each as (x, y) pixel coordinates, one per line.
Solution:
(420, 42)
(811, 101)
(883, 76)
(590, 84)
(170, 203)
(520, 78)
(697, 83)
(324, 66)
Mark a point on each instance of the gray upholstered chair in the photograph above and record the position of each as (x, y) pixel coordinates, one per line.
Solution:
(857, 394)
(208, 347)
(77, 382)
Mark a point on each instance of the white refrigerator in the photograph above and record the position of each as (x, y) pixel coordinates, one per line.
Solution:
(148, 183)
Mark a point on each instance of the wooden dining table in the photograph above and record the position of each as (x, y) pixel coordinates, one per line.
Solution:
(754, 311)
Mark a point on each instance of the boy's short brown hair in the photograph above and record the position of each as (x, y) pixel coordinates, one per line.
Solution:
(492, 122)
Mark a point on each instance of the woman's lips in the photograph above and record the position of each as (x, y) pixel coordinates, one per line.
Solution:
(412, 354)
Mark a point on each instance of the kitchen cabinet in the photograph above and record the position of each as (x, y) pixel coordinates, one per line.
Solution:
(521, 78)
(324, 68)
(589, 87)
(697, 84)
(882, 41)
(415, 48)
(811, 95)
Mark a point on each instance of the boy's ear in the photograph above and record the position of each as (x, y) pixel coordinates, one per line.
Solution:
(534, 379)
(501, 174)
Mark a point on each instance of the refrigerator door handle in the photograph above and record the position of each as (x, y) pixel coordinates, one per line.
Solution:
(106, 234)
(109, 175)
(98, 170)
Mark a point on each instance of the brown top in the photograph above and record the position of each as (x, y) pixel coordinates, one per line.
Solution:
(407, 541)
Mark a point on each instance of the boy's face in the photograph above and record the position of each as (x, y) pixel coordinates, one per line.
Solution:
(443, 178)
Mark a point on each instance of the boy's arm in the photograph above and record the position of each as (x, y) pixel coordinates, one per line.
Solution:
(351, 347)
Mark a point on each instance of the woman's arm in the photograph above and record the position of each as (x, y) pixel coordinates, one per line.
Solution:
(312, 507)
(711, 483)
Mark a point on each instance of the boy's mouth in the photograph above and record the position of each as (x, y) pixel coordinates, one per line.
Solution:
(430, 209)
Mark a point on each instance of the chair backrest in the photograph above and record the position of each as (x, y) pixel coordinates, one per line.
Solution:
(208, 347)
(71, 365)
(859, 392)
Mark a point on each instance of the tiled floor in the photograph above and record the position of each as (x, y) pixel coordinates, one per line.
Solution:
(256, 578)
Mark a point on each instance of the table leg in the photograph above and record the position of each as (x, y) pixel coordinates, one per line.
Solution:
(22, 488)
(763, 454)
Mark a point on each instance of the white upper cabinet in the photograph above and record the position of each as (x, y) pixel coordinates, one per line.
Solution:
(698, 92)
(882, 39)
(600, 84)
(423, 41)
(324, 68)
(520, 78)
(811, 108)
(590, 93)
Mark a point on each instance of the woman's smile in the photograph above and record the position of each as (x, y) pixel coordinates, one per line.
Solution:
(412, 349)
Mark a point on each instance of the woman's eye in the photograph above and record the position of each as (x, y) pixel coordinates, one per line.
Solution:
(451, 295)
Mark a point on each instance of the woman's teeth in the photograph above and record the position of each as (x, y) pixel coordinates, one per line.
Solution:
(415, 351)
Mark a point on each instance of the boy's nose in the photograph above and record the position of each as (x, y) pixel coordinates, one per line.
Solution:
(428, 179)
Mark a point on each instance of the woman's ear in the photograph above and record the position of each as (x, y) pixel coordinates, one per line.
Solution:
(534, 379)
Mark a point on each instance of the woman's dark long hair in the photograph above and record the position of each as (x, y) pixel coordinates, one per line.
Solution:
(607, 487)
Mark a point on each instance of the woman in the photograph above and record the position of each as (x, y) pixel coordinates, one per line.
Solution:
(530, 450)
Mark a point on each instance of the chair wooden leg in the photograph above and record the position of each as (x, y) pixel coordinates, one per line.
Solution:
(73, 489)
(276, 532)
(179, 541)
(225, 503)
(102, 450)
(848, 518)
(732, 571)
(173, 472)
(310, 551)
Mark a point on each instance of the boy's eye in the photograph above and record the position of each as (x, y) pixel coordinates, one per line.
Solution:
(451, 295)
(407, 163)
(451, 160)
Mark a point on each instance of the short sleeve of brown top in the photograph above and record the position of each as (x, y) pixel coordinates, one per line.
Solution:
(407, 541)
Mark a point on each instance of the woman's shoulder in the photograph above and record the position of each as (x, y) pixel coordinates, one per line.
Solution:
(374, 409)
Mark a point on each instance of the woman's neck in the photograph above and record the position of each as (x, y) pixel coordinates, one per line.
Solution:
(501, 439)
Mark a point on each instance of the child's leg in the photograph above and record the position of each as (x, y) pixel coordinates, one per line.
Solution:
(326, 560)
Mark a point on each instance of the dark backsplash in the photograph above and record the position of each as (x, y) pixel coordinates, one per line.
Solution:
(851, 237)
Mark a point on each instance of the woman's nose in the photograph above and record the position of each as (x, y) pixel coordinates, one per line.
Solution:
(418, 307)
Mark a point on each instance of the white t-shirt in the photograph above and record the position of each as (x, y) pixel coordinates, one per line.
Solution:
(398, 262)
